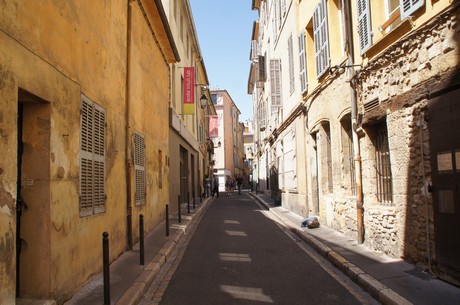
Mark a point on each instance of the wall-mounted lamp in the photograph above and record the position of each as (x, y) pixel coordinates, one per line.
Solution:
(203, 101)
(341, 69)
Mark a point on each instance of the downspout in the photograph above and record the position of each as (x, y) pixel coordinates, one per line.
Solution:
(354, 113)
(129, 216)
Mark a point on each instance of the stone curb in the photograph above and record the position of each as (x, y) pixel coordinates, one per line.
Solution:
(136, 291)
(375, 288)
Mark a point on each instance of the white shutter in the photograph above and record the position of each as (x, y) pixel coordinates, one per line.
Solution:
(275, 82)
(139, 168)
(408, 7)
(303, 69)
(364, 25)
(254, 50)
(321, 38)
(291, 65)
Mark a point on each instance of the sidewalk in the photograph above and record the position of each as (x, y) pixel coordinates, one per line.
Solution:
(390, 281)
(128, 279)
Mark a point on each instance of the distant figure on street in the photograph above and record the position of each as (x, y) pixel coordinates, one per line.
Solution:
(239, 182)
(207, 186)
(229, 185)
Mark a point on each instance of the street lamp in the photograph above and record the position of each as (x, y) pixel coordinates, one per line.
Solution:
(341, 69)
(203, 101)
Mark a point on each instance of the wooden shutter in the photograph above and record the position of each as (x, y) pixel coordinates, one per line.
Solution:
(408, 7)
(92, 158)
(364, 25)
(139, 168)
(262, 73)
(99, 160)
(303, 68)
(291, 65)
(321, 38)
(254, 50)
(275, 82)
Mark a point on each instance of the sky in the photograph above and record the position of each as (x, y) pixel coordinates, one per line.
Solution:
(224, 30)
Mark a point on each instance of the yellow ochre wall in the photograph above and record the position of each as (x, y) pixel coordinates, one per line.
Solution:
(52, 52)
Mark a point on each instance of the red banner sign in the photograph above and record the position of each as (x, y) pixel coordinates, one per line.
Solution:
(213, 126)
(189, 90)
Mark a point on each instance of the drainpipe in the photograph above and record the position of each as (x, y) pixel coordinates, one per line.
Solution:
(129, 166)
(356, 147)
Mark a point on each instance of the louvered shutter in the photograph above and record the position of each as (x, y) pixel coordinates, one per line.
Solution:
(364, 25)
(254, 50)
(275, 82)
(291, 65)
(262, 76)
(92, 158)
(321, 38)
(408, 7)
(99, 160)
(303, 69)
(139, 168)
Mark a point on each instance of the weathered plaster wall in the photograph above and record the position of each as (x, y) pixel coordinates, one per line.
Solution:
(149, 96)
(71, 49)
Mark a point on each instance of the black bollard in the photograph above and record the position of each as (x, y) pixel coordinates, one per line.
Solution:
(106, 267)
(178, 209)
(167, 220)
(141, 238)
(188, 202)
(193, 199)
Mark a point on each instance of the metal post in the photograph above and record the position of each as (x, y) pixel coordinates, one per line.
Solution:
(106, 267)
(188, 202)
(193, 199)
(167, 220)
(178, 209)
(141, 238)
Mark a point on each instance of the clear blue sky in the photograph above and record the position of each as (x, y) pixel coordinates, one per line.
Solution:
(224, 32)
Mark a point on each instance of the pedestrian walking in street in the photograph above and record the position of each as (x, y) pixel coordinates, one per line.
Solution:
(207, 186)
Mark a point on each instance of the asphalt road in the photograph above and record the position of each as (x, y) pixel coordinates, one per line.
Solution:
(239, 255)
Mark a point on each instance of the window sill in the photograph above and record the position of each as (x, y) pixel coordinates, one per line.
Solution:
(389, 38)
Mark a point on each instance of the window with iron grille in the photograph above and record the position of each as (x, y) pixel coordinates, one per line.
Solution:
(139, 168)
(348, 154)
(329, 157)
(92, 158)
(383, 165)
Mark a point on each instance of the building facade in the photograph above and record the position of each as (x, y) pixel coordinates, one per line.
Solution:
(188, 124)
(371, 122)
(227, 152)
(80, 155)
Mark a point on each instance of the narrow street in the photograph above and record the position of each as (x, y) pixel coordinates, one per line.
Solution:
(239, 255)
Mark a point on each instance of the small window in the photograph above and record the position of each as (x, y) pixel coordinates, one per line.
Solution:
(92, 158)
(383, 165)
